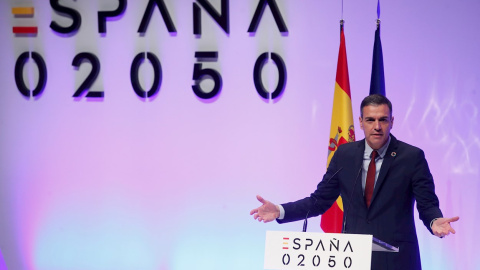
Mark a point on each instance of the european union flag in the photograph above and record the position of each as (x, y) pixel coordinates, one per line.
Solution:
(377, 82)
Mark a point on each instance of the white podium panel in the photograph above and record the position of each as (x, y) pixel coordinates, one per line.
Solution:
(310, 251)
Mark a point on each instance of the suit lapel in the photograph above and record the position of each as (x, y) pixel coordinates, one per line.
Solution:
(387, 162)
(358, 165)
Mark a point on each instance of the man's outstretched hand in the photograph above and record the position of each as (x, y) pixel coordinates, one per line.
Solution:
(267, 212)
(441, 227)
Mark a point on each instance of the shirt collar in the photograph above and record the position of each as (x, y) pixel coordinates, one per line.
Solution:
(381, 152)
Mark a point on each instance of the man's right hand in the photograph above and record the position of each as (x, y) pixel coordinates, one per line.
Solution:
(267, 212)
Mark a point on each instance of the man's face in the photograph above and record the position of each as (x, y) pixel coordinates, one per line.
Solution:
(376, 124)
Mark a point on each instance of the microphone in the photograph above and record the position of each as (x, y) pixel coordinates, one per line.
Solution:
(350, 202)
(305, 222)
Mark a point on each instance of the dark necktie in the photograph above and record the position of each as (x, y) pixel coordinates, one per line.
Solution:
(370, 183)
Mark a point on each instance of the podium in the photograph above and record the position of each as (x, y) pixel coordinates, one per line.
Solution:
(310, 250)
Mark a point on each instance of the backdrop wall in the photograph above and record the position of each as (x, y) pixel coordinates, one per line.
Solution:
(167, 181)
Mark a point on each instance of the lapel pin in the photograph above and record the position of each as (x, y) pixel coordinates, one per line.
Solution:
(394, 154)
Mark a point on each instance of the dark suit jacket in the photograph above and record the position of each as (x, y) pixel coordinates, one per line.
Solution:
(403, 179)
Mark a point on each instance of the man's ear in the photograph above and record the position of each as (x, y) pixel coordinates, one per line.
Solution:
(361, 123)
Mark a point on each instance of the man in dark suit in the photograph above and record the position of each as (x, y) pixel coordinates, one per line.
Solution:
(379, 179)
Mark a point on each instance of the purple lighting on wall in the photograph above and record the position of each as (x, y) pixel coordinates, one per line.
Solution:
(167, 181)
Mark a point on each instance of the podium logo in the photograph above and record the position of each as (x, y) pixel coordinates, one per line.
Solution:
(312, 252)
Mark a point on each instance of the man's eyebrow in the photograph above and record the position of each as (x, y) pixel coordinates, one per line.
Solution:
(373, 118)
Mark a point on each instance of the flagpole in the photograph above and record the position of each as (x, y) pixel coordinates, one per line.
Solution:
(341, 20)
(378, 14)
(342, 12)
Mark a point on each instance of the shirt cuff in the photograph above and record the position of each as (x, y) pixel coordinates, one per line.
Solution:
(282, 212)
(431, 222)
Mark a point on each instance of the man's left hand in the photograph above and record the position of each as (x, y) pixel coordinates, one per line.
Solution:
(441, 226)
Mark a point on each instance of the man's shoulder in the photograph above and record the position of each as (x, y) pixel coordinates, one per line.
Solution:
(405, 151)
(351, 146)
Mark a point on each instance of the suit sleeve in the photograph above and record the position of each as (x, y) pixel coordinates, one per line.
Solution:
(424, 191)
(320, 200)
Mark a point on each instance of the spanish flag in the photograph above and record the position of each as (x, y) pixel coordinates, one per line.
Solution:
(341, 131)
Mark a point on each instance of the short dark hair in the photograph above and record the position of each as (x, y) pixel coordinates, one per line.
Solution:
(375, 100)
